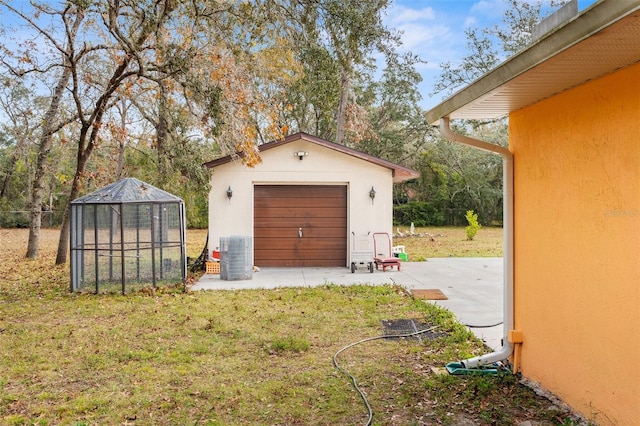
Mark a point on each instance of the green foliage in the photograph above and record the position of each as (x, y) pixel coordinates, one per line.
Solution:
(454, 178)
(474, 226)
(396, 127)
(314, 98)
(457, 177)
(421, 213)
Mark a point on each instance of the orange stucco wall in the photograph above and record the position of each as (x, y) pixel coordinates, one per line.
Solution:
(577, 245)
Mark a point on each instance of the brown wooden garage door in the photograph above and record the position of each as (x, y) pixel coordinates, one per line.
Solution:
(301, 225)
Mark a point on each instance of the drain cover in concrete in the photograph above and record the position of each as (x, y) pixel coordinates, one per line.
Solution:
(399, 327)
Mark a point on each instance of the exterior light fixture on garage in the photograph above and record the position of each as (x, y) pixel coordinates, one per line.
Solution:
(300, 154)
(229, 193)
(372, 194)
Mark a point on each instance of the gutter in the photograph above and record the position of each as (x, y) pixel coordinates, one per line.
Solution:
(508, 313)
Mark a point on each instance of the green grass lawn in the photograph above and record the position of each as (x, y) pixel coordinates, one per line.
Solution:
(253, 357)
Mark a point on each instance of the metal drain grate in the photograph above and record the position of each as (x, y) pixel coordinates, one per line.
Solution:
(399, 327)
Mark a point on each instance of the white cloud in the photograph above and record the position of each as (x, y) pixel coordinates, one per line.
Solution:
(422, 28)
(489, 8)
(416, 37)
(470, 21)
(398, 15)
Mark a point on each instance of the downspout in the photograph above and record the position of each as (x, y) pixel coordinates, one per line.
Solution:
(507, 200)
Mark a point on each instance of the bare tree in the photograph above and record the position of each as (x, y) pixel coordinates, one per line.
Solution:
(72, 16)
(131, 25)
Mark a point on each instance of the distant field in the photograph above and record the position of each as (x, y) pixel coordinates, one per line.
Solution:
(425, 243)
(449, 242)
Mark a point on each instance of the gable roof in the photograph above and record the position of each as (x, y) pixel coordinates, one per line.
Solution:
(127, 190)
(400, 173)
(600, 40)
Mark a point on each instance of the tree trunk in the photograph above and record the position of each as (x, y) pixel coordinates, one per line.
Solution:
(162, 136)
(341, 119)
(45, 143)
(61, 256)
(121, 141)
(63, 246)
(120, 164)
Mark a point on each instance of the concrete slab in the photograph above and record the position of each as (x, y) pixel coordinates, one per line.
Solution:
(474, 286)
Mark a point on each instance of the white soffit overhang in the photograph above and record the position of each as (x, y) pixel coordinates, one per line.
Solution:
(601, 40)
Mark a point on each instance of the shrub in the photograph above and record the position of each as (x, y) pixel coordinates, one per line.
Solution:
(472, 229)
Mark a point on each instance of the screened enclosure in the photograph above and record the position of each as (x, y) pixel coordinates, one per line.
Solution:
(126, 236)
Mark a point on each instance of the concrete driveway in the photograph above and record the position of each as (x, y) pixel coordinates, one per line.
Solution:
(474, 286)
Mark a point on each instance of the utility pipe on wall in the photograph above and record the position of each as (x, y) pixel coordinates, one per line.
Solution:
(507, 157)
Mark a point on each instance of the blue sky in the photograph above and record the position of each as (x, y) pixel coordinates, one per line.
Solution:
(434, 30)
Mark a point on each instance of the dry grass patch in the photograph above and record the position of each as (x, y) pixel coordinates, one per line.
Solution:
(449, 242)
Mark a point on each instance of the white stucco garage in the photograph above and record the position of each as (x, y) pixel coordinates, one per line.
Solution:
(303, 203)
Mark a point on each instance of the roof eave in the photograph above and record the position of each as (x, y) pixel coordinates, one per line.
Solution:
(400, 173)
(563, 37)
